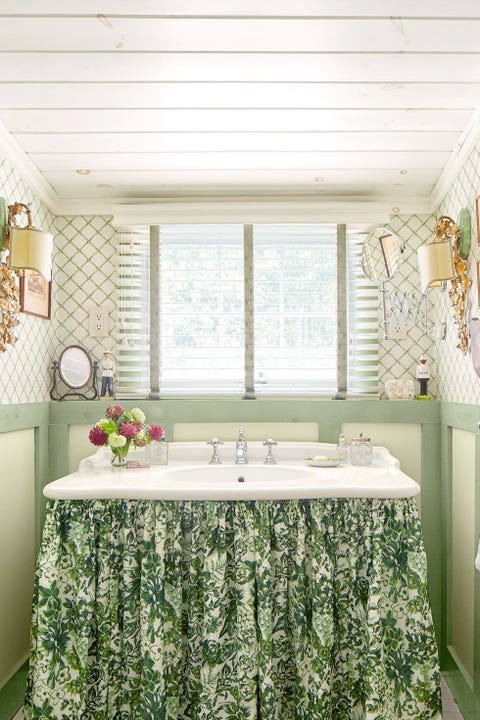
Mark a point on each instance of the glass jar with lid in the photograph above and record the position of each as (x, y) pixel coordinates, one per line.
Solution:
(361, 450)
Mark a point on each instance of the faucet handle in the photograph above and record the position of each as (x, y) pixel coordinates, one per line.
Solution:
(215, 442)
(269, 460)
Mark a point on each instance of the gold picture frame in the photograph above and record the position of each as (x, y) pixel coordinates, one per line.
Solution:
(35, 295)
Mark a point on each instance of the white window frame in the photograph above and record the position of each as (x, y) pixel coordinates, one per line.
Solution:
(357, 302)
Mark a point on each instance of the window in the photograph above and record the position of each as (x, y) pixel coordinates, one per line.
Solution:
(201, 309)
(234, 297)
(295, 309)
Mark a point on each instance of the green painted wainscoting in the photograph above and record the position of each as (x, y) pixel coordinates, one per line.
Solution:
(24, 470)
(460, 502)
(399, 420)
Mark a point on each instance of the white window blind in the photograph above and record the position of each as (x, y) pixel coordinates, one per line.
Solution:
(362, 304)
(295, 286)
(133, 299)
(201, 308)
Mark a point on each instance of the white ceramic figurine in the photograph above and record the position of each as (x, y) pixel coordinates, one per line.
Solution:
(107, 367)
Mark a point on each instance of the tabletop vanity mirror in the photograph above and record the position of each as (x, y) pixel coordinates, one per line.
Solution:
(381, 254)
(74, 375)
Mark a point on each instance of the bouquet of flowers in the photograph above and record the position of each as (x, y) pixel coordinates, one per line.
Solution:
(121, 429)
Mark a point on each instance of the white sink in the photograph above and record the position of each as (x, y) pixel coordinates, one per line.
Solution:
(189, 476)
(219, 474)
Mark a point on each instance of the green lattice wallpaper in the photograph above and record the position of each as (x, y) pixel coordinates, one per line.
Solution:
(458, 381)
(86, 277)
(399, 358)
(25, 366)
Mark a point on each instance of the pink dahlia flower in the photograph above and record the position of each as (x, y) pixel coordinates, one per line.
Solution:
(114, 411)
(97, 436)
(155, 432)
(128, 430)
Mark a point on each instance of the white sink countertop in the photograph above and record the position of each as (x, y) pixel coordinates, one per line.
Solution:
(188, 476)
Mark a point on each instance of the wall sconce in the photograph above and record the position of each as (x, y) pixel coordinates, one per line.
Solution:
(29, 248)
(440, 261)
(435, 264)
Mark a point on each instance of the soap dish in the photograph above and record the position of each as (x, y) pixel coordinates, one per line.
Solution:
(327, 462)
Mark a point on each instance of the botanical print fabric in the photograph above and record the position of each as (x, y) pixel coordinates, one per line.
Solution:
(271, 610)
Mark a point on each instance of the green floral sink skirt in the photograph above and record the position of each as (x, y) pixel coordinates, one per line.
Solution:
(271, 610)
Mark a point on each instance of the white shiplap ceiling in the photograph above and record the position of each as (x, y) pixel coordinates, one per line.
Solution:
(342, 99)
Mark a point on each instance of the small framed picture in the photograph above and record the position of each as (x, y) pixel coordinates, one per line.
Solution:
(477, 213)
(390, 253)
(478, 282)
(35, 295)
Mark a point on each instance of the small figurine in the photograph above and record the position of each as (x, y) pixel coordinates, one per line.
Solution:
(107, 366)
(423, 376)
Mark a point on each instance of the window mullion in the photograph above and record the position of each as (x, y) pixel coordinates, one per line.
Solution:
(155, 313)
(248, 271)
(341, 311)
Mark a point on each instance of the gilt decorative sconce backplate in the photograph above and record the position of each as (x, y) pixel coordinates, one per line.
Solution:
(446, 228)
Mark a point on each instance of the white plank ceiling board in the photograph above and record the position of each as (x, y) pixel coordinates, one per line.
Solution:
(279, 95)
(76, 67)
(243, 160)
(233, 120)
(242, 8)
(209, 97)
(220, 178)
(214, 142)
(287, 35)
(239, 8)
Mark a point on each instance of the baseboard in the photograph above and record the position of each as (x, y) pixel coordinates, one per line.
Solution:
(458, 665)
(457, 681)
(12, 693)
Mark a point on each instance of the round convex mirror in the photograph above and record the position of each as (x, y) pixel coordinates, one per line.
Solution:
(380, 255)
(75, 366)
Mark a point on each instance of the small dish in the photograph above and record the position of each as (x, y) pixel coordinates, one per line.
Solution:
(328, 462)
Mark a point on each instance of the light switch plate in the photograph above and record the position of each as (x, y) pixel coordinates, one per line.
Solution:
(99, 322)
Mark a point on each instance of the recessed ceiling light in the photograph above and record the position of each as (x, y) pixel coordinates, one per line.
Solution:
(403, 172)
(395, 209)
(319, 179)
(81, 171)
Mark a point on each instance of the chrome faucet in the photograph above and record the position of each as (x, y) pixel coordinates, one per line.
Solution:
(215, 442)
(269, 460)
(241, 448)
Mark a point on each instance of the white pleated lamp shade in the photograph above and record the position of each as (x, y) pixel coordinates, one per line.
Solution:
(435, 264)
(31, 249)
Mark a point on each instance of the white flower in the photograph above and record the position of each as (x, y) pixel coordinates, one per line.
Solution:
(103, 423)
(116, 441)
(137, 415)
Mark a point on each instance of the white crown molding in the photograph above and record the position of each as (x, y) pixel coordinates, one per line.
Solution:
(258, 210)
(467, 141)
(32, 177)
